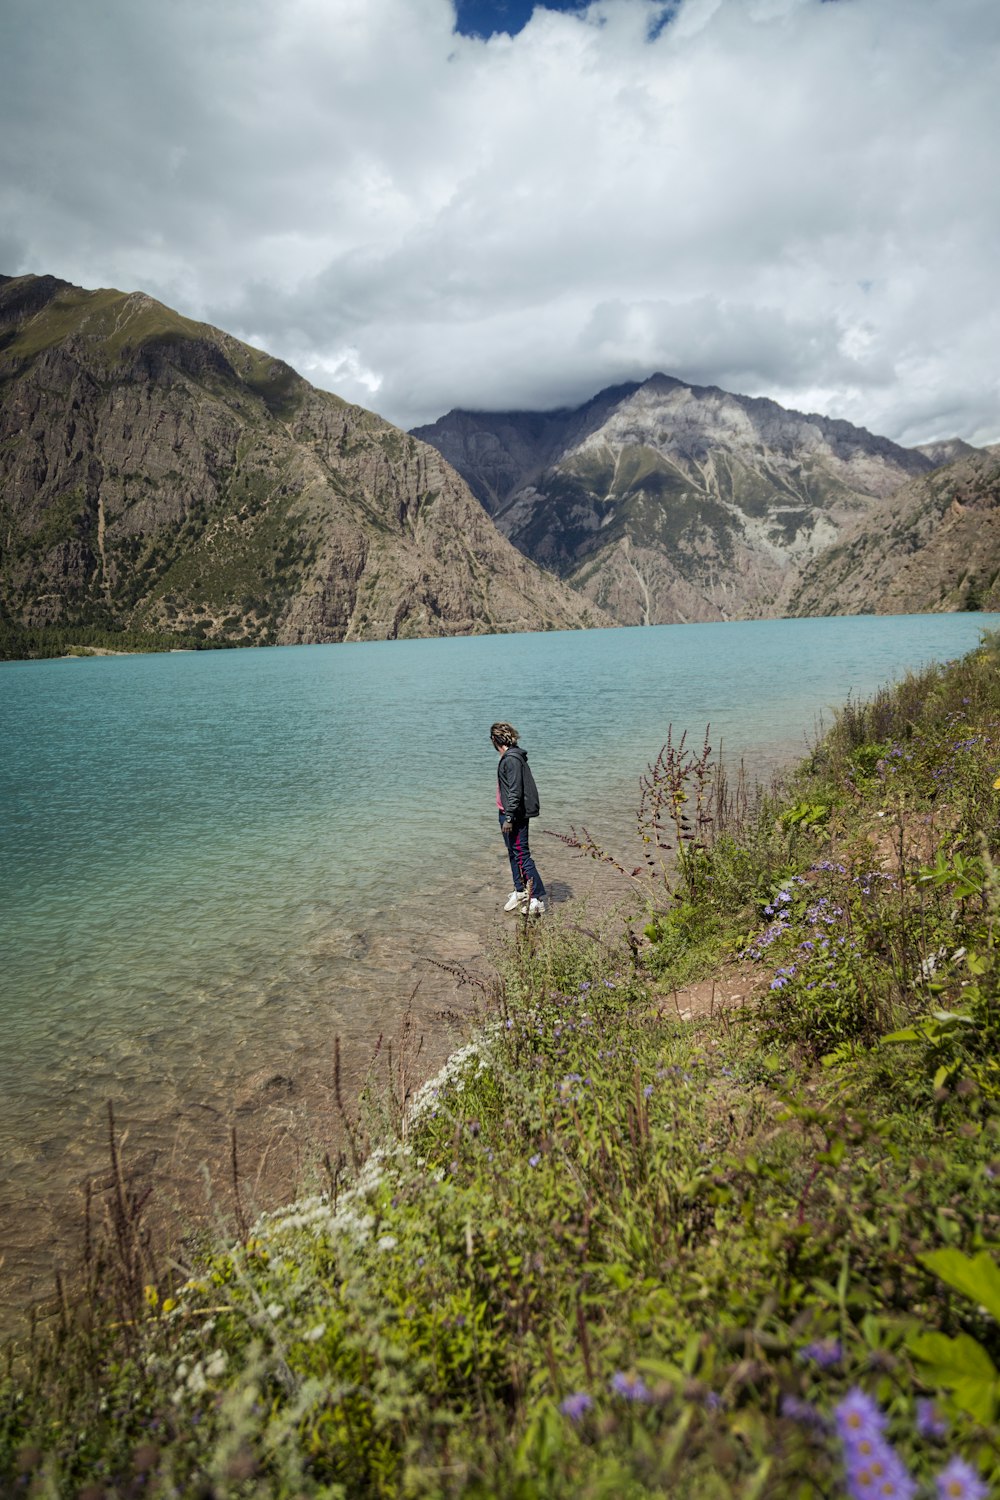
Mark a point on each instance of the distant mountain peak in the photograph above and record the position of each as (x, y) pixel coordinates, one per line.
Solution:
(947, 450)
(662, 500)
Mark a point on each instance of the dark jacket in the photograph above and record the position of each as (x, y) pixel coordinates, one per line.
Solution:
(518, 791)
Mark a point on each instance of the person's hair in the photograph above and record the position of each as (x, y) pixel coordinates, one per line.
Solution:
(503, 734)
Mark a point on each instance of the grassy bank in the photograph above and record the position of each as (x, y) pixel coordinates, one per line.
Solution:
(610, 1252)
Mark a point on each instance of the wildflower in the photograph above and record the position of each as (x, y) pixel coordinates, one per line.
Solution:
(216, 1364)
(873, 1468)
(858, 1417)
(534, 1160)
(387, 1242)
(313, 1335)
(647, 1091)
(823, 1352)
(959, 1481)
(576, 1405)
(797, 1410)
(930, 1423)
(631, 1387)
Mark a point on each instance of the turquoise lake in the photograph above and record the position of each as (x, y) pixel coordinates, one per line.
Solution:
(214, 863)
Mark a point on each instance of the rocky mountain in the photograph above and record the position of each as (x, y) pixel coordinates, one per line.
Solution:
(934, 545)
(947, 450)
(664, 501)
(157, 474)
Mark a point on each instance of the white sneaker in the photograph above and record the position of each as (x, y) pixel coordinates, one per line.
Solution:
(537, 907)
(515, 900)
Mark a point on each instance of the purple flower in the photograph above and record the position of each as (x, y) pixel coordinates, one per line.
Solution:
(631, 1387)
(576, 1405)
(959, 1481)
(878, 1472)
(647, 1091)
(797, 1410)
(534, 1160)
(858, 1418)
(873, 1467)
(930, 1423)
(823, 1352)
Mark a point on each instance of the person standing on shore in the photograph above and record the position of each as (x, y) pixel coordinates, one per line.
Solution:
(517, 801)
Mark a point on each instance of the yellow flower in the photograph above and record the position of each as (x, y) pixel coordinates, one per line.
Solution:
(996, 785)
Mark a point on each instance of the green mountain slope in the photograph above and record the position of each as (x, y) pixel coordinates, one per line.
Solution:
(157, 474)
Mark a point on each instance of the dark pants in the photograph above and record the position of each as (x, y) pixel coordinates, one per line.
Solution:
(522, 866)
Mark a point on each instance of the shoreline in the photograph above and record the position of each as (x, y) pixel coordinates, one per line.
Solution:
(283, 1107)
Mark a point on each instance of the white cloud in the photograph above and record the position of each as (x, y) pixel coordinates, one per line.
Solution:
(785, 197)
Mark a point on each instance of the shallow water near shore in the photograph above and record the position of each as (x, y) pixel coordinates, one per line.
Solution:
(214, 863)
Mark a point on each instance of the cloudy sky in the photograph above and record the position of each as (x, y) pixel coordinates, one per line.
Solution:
(498, 206)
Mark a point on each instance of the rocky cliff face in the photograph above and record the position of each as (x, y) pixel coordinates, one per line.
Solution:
(664, 501)
(947, 451)
(934, 545)
(156, 473)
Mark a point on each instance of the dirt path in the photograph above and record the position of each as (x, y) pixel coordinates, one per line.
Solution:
(731, 988)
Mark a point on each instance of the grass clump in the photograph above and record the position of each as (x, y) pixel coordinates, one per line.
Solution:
(608, 1253)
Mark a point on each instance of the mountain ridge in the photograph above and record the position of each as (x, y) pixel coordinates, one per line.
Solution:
(663, 501)
(158, 474)
(936, 549)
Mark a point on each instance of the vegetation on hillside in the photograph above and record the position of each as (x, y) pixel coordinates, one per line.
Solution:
(21, 642)
(159, 476)
(609, 1252)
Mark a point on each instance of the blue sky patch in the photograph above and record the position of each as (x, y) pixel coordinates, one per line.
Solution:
(484, 17)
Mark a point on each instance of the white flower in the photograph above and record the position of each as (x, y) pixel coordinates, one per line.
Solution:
(315, 1334)
(274, 1309)
(216, 1364)
(387, 1242)
(196, 1381)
